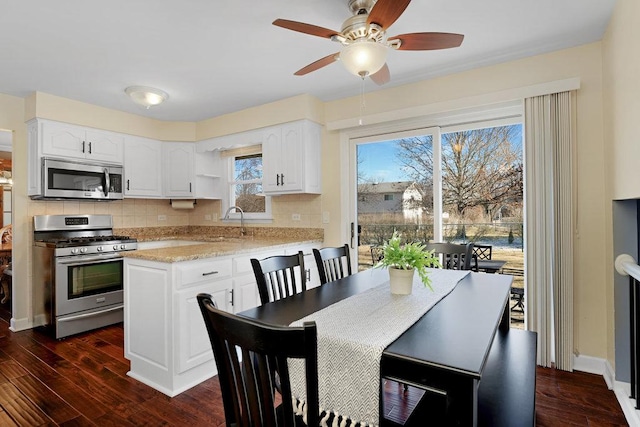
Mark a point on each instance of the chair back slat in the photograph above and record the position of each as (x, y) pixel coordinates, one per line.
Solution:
(247, 376)
(333, 263)
(453, 256)
(279, 276)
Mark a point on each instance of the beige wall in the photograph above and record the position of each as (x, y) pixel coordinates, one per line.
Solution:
(584, 62)
(621, 80)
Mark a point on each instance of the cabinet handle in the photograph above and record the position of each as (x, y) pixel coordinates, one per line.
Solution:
(210, 273)
(127, 185)
(83, 146)
(281, 179)
(231, 292)
(89, 147)
(308, 274)
(277, 180)
(189, 187)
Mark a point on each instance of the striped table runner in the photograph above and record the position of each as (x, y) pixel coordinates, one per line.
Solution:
(352, 335)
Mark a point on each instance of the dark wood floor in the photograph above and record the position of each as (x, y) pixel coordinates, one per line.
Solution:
(82, 381)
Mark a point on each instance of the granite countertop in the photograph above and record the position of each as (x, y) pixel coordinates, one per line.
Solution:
(210, 247)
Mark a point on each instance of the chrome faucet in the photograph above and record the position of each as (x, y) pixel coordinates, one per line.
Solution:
(238, 209)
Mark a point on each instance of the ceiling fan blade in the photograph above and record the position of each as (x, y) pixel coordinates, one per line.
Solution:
(428, 41)
(301, 27)
(386, 12)
(323, 62)
(381, 76)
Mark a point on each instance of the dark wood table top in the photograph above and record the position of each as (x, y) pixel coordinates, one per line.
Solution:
(456, 334)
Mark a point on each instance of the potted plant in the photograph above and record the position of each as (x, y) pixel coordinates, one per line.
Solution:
(403, 261)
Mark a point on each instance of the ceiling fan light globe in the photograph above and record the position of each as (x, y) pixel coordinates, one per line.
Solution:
(364, 58)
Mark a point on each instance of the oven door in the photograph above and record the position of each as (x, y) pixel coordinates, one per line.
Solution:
(87, 282)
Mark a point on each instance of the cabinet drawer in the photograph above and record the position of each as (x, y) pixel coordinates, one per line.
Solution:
(200, 271)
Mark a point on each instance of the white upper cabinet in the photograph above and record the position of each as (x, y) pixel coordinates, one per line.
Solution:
(142, 167)
(77, 142)
(49, 138)
(291, 158)
(179, 169)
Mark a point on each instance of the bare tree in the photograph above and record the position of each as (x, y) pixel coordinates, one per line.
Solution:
(481, 167)
(248, 169)
(416, 157)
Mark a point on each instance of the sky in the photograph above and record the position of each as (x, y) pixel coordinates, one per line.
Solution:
(379, 162)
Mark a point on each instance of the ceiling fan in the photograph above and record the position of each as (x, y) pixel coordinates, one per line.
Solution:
(365, 41)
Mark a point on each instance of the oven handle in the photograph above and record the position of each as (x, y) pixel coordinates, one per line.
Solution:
(88, 259)
(92, 314)
(107, 181)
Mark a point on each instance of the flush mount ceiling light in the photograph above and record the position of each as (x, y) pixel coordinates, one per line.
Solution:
(146, 96)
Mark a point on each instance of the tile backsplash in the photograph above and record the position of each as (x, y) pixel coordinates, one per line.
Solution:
(130, 213)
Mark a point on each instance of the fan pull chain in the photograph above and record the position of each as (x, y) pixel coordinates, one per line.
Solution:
(363, 104)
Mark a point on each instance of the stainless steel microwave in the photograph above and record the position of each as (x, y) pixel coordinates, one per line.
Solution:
(69, 179)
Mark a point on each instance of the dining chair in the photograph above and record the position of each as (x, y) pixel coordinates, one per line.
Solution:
(276, 276)
(248, 354)
(454, 256)
(480, 252)
(333, 263)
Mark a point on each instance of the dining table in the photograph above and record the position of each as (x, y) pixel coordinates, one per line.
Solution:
(447, 353)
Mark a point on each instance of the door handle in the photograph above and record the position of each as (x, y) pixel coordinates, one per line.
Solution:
(127, 185)
(232, 294)
(107, 181)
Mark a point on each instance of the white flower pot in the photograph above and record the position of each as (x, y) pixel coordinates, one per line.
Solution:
(401, 281)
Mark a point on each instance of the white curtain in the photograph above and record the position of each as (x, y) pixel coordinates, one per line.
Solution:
(549, 165)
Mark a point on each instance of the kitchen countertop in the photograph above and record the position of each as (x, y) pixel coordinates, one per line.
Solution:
(211, 247)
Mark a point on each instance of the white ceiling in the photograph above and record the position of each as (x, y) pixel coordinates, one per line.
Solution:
(220, 56)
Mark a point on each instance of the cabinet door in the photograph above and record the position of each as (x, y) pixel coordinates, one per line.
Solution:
(178, 170)
(291, 164)
(195, 347)
(245, 293)
(142, 167)
(103, 146)
(63, 140)
(271, 160)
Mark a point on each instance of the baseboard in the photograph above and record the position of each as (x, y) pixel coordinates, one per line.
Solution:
(20, 324)
(628, 405)
(595, 365)
(591, 365)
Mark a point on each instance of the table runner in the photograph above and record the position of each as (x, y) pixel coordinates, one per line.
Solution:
(352, 335)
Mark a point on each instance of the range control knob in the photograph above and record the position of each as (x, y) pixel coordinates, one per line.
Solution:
(122, 246)
(99, 249)
(115, 247)
(83, 250)
(74, 251)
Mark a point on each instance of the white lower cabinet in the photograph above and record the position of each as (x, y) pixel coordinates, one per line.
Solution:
(166, 340)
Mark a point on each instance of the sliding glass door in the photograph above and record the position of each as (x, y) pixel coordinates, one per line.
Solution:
(460, 184)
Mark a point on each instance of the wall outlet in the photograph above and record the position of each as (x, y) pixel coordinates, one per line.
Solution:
(295, 217)
(325, 217)
(162, 217)
(207, 217)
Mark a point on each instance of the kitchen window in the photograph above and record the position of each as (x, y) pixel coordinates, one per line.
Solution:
(245, 185)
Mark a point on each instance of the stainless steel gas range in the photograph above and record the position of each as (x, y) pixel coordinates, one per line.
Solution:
(77, 272)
